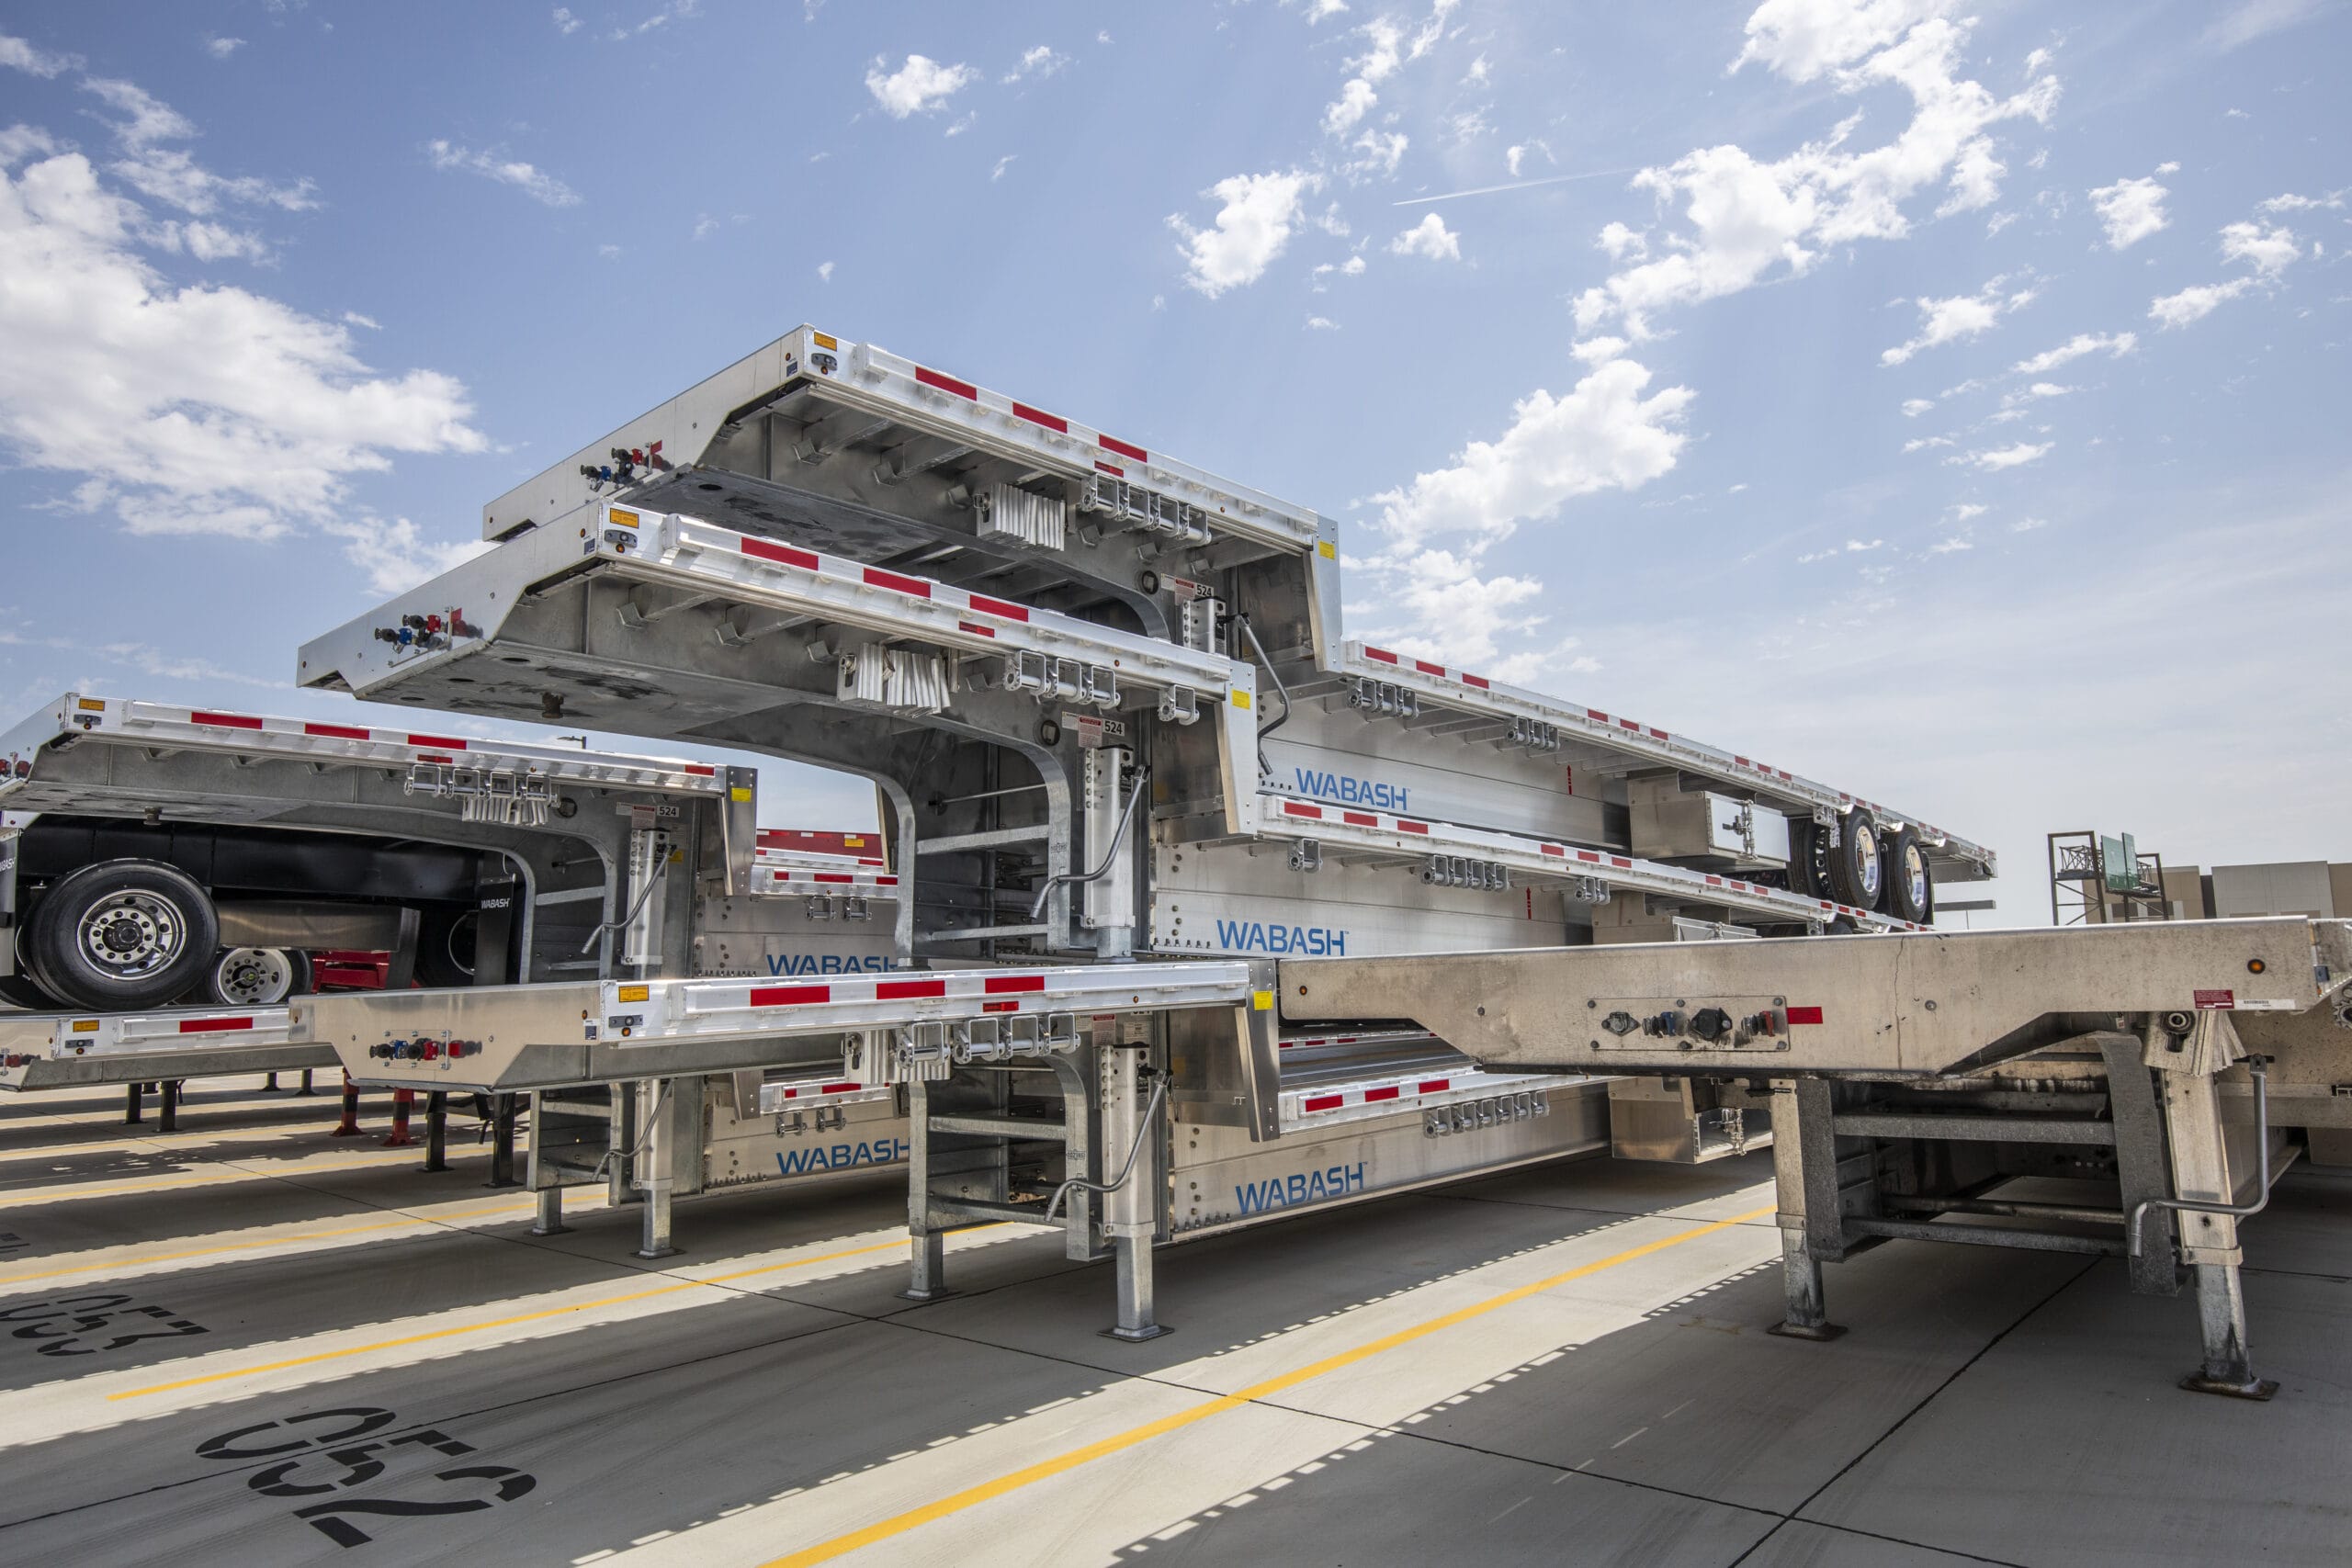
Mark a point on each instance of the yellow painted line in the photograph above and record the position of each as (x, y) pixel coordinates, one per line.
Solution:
(459, 1220)
(539, 1316)
(32, 1197)
(1044, 1470)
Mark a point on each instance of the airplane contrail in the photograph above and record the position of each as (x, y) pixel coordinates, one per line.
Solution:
(1521, 184)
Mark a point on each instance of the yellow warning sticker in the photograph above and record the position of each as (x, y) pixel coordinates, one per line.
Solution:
(1263, 1001)
(1241, 699)
(740, 795)
(1327, 549)
(635, 993)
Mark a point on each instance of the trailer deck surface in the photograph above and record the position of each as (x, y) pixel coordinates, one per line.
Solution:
(247, 1342)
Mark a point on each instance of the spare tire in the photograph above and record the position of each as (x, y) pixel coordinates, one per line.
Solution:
(21, 990)
(257, 976)
(122, 934)
(444, 948)
(1857, 869)
(1910, 891)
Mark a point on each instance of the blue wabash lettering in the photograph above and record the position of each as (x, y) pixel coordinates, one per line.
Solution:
(1349, 789)
(828, 964)
(840, 1157)
(1257, 936)
(1313, 1187)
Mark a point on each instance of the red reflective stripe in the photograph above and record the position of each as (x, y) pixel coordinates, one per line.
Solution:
(1715, 882)
(225, 720)
(1659, 734)
(214, 1025)
(831, 876)
(1634, 725)
(1596, 715)
(1380, 653)
(839, 1088)
(700, 771)
(1111, 469)
(1554, 849)
(436, 741)
(1478, 680)
(1293, 808)
(1360, 818)
(1804, 1015)
(1005, 985)
(1743, 762)
(1000, 1007)
(1434, 1085)
(975, 628)
(947, 384)
(338, 731)
(1391, 1092)
(1588, 854)
(430, 757)
(1405, 825)
(1053, 421)
(1621, 863)
(886, 882)
(876, 578)
(1112, 444)
(768, 551)
(789, 996)
(1426, 668)
(901, 990)
(1323, 1102)
(988, 606)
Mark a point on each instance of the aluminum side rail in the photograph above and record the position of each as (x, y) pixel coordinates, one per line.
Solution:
(1644, 744)
(866, 377)
(41, 1050)
(74, 719)
(1906, 1005)
(1407, 839)
(607, 1031)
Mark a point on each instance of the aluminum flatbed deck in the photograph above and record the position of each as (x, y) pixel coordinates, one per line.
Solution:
(1474, 1374)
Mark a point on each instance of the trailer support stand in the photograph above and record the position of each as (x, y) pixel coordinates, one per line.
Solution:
(927, 1248)
(2209, 1242)
(269, 1086)
(2221, 1318)
(1804, 1174)
(654, 1169)
(550, 1218)
(167, 1103)
(501, 1140)
(1130, 1209)
(436, 1129)
(400, 1137)
(131, 1099)
(349, 1126)
(306, 1088)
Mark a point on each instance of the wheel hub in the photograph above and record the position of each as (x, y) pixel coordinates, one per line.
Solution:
(131, 933)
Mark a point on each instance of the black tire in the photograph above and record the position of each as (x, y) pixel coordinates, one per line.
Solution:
(1910, 893)
(255, 977)
(21, 990)
(1857, 865)
(122, 934)
(1809, 859)
(444, 948)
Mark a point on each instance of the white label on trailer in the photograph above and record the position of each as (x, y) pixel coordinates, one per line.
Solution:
(1093, 730)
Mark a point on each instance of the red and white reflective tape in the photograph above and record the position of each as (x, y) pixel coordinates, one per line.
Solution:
(1410, 1090)
(789, 879)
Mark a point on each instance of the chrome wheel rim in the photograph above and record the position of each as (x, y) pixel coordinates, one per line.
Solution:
(132, 934)
(253, 976)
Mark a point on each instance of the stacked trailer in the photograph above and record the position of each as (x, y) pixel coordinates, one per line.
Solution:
(1115, 722)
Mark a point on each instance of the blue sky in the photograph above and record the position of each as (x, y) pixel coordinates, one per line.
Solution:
(1946, 401)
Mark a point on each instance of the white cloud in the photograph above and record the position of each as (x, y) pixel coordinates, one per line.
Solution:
(1351, 268)
(920, 86)
(1851, 547)
(1913, 407)
(2027, 525)
(185, 408)
(539, 186)
(396, 555)
(1748, 217)
(146, 119)
(2250, 20)
(1321, 324)
(2115, 346)
(2293, 203)
(2132, 209)
(1962, 316)
(1001, 164)
(18, 55)
(1604, 435)
(1477, 73)
(2047, 390)
(964, 123)
(1968, 509)
(2197, 302)
(1512, 157)
(1801, 39)
(222, 48)
(1429, 238)
(565, 22)
(1926, 442)
(1355, 101)
(2268, 250)
(1387, 47)
(1318, 10)
(1995, 460)
(825, 271)
(1256, 217)
(1382, 151)
(1039, 61)
(1957, 542)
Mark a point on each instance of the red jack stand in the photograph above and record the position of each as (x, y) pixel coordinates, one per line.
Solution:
(349, 1126)
(401, 1099)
